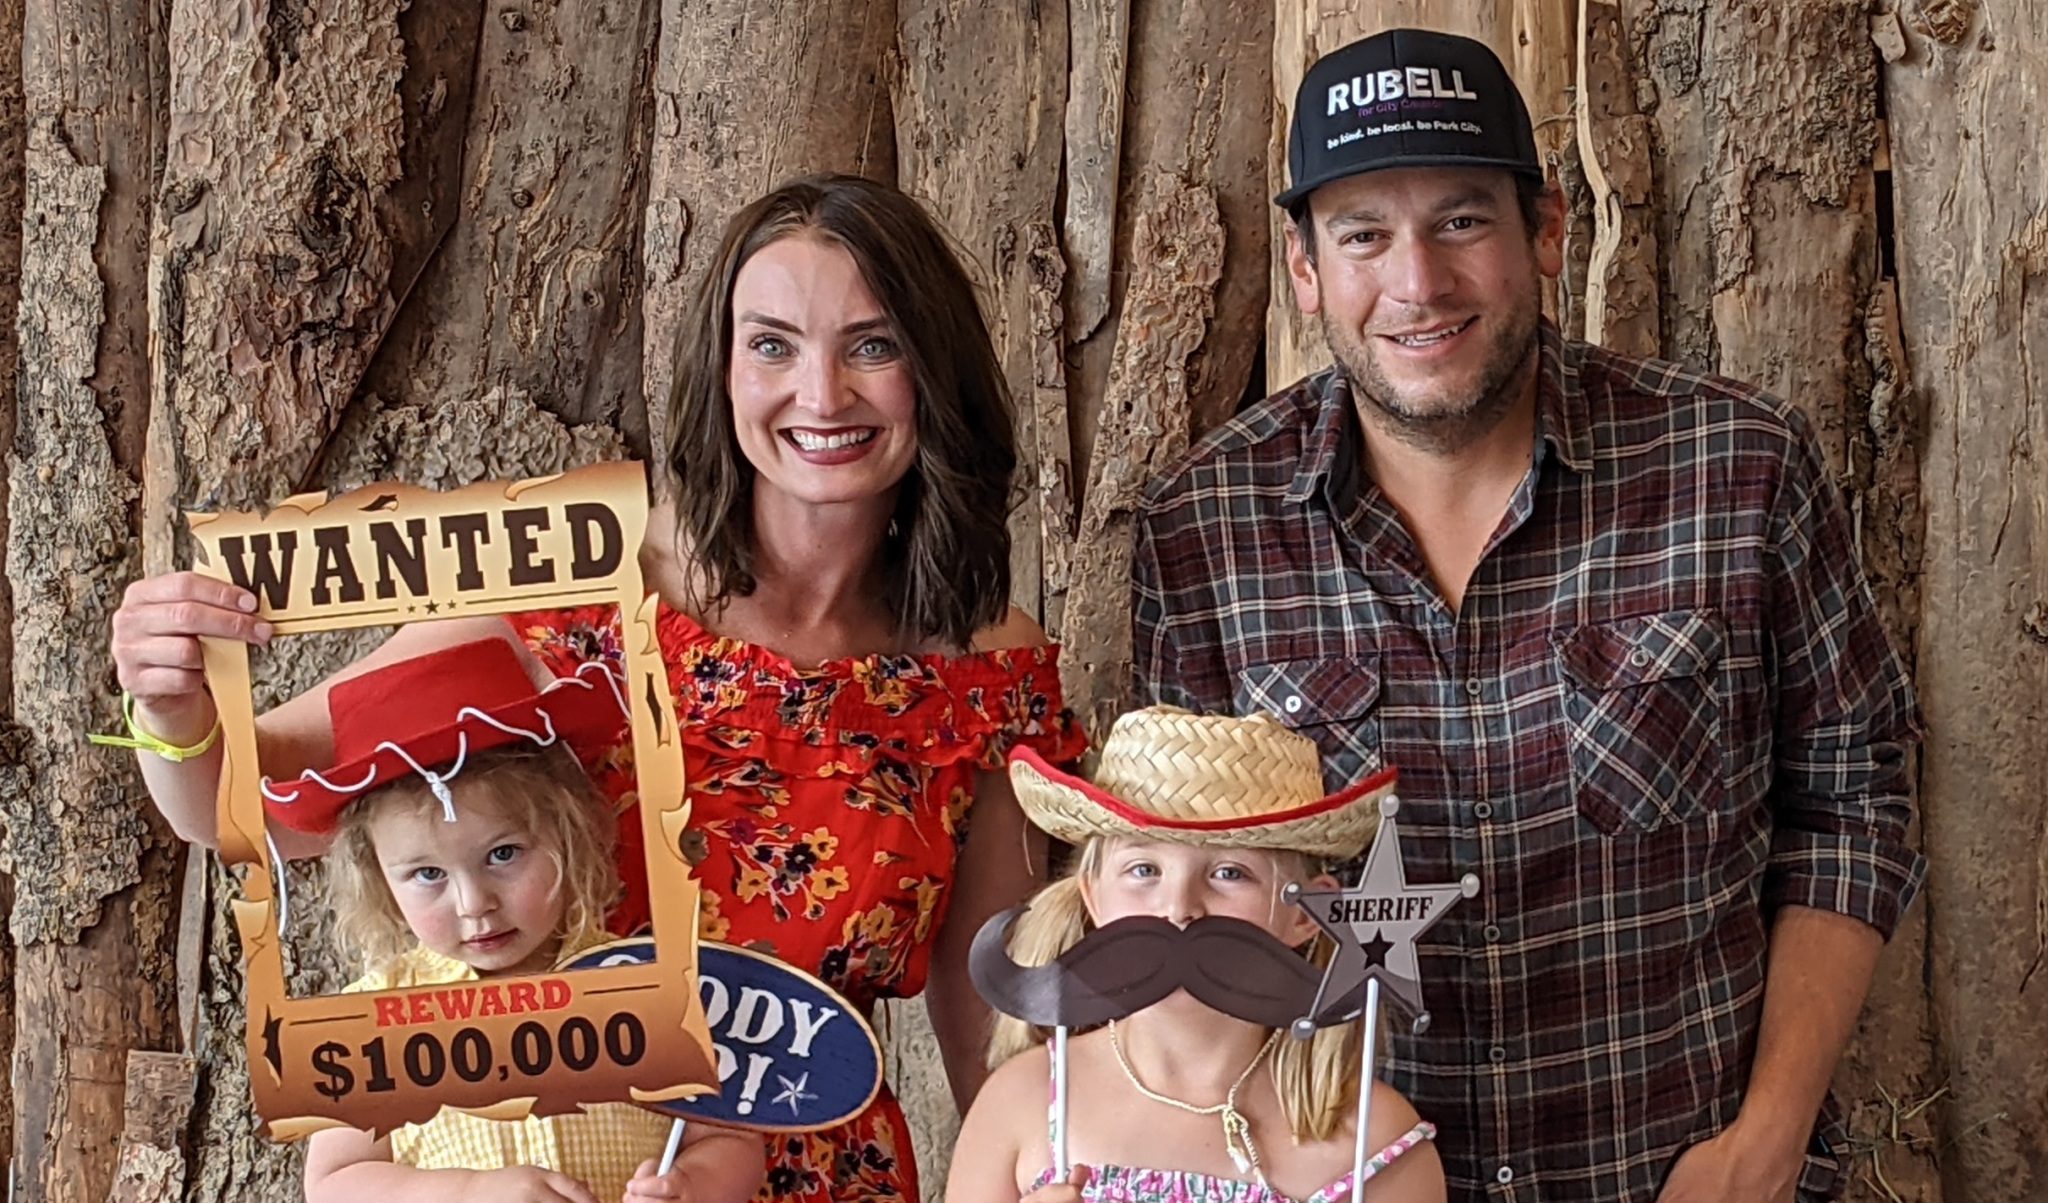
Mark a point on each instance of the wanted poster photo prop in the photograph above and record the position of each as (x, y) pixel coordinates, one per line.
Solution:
(538, 1044)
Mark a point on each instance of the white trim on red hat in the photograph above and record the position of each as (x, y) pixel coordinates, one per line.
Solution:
(438, 782)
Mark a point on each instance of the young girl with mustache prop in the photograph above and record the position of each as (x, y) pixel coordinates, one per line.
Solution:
(1171, 933)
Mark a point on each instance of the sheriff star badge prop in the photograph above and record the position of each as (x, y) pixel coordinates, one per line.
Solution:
(1375, 924)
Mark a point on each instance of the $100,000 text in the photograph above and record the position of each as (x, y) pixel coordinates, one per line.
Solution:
(534, 1049)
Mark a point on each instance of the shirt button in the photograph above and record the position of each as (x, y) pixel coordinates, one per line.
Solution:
(1497, 1054)
(1491, 931)
(1638, 658)
(1472, 686)
(1293, 704)
(1482, 810)
(1504, 1175)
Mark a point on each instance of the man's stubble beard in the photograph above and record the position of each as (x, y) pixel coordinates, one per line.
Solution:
(1511, 358)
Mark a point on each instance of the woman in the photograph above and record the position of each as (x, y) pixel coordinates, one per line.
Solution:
(834, 581)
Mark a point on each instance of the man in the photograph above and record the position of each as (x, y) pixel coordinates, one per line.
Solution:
(1604, 616)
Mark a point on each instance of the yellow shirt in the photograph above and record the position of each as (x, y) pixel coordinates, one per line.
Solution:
(599, 1148)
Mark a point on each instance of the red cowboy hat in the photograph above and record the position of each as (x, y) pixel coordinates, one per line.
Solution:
(429, 714)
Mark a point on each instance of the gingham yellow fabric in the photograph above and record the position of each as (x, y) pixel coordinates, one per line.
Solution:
(600, 1148)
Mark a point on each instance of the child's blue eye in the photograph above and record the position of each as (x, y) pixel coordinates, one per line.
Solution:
(503, 854)
(427, 875)
(1143, 869)
(1232, 873)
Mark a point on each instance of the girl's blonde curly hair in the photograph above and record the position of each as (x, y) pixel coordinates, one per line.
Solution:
(544, 791)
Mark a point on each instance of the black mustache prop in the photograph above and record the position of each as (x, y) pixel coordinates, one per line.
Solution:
(1123, 967)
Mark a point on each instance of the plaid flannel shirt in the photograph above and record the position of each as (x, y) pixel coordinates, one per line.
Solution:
(1666, 708)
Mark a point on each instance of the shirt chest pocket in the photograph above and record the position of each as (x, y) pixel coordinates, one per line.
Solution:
(1334, 701)
(1642, 719)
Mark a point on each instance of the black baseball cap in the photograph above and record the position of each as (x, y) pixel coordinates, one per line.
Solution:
(1406, 98)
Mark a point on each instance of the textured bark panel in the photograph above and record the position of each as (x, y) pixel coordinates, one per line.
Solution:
(537, 286)
(1892, 1068)
(979, 126)
(1541, 38)
(1177, 259)
(1099, 58)
(1201, 83)
(82, 1007)
(1972, 215)
(1620, 298)
(310, 174)
(75, 842)
(231, 1159)
(157, 1106)
(748, 94)
(502, 435)
(1766, 119)
(1531, 36)
(1579, 229)
(90, 911)
(13, 144)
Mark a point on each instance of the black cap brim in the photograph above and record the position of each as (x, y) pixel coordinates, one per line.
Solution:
(1300, 191)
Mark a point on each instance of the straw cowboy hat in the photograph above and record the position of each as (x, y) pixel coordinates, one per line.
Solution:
(1166, 774)
(429, 714)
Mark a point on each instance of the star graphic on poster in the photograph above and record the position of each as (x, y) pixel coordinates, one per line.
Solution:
(1376, 924)
(272, 1053)
(793, 1093)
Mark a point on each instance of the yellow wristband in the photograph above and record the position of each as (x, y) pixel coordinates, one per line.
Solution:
(143, 741)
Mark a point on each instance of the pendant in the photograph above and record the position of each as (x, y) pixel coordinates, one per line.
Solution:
(1237, 1140)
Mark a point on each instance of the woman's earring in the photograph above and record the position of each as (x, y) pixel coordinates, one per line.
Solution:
(895, 529)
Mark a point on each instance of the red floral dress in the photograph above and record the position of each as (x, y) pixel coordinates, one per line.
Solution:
(829, 807)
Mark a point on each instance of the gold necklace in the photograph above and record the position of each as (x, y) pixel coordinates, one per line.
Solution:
(1237, 1132)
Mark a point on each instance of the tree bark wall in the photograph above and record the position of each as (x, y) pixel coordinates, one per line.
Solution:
(535, 288)
(90, 913)
(1193, 175)
(13, 145)
(312, 171)
(981, 113)
(91, 900)
(1967, 89)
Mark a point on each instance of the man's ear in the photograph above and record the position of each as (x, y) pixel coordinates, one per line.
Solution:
(1549, 240)
(1301, 270)
(1299, 928)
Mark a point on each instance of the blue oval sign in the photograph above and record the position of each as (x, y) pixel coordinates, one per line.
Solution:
(793, 1056)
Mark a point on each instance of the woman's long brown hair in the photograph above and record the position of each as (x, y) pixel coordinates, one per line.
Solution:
(945, 569)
